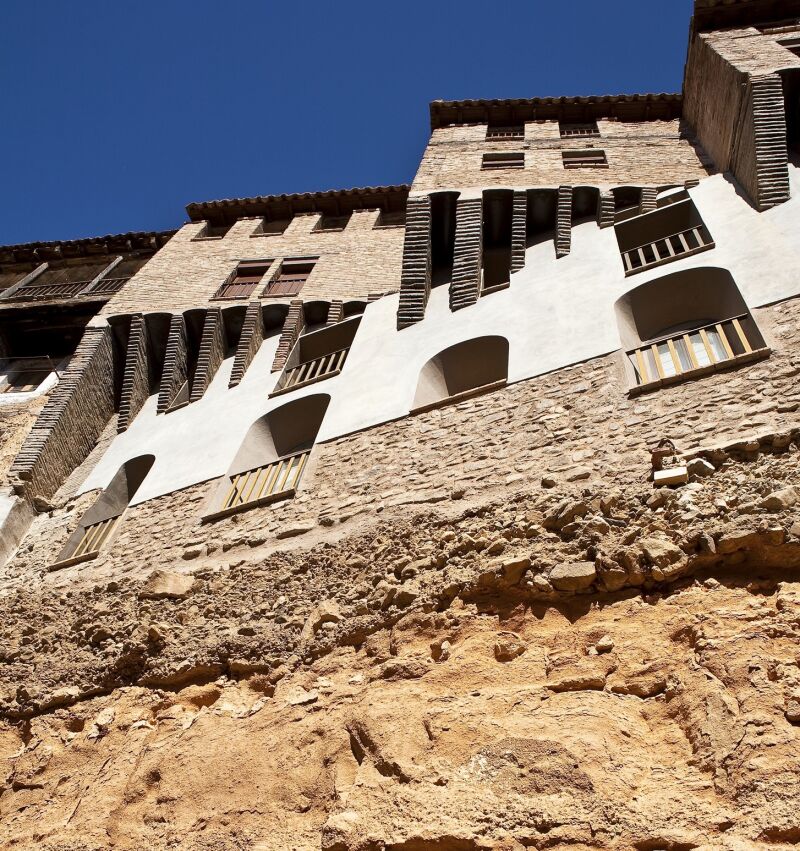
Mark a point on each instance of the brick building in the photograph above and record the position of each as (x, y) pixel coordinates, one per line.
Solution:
(564, 283)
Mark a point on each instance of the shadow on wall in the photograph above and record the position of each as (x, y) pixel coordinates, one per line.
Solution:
(101, 521)
(461, 370)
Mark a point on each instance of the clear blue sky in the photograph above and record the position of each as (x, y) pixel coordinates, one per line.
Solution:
(117, 114)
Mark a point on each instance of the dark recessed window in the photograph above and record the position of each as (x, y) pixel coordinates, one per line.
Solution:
(271, 227)
(214, 231)
(499, 161)
(394, 219)
(244, 281)
(505, 131)
(291, 277)
(792, 44)
(570, 130)
(332, 223)
(584, 159)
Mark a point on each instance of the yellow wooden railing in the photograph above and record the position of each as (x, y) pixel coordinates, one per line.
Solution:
(267, 481)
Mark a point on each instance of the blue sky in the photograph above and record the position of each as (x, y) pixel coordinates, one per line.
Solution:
(116, 115)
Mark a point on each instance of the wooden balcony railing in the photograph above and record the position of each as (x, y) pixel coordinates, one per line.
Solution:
(687, 242)
(109, 286)
(41, 291)
(315, 370)
(694, 352)
(94, 537)
(267, 483)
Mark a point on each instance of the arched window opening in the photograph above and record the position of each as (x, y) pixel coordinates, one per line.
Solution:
(272, 458)
(685, 325)
(100, 523)
(460, 371)
(354, 308)
(497, 214)
(584, 204)
(541, 219)
(318, 355)
(626, 202)
(673, 231)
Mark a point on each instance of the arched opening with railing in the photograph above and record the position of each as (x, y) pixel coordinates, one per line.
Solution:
(101, 522)
(273, 457)
(683, 325)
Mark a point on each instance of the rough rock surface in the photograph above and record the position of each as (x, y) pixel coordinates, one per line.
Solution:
(430, 684)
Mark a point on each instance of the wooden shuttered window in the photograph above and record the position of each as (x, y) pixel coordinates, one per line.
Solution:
(291, 277)
(244, 280)
(502, 160)
(589, 158)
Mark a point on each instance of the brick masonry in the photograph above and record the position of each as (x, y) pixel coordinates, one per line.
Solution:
(467, 257)
(352, 263)
(213, 345)
(519, 227)
(292, 328)
(415, 282)
(564, 221)
(176, 364)
(250, 341)
(137, 373)
(645, 153)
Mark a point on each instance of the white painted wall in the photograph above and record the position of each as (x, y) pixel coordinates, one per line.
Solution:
(555, 313)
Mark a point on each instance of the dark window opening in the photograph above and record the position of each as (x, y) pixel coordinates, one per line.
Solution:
(791, 102)
(332, 223)
(244, 280)
(393, 219)
(505, 131)
(541, 225)
(589, 158)
(443, 236)
(291, 277)
(502, 161)
(627, 202)
(271, 227)
(584, 204)
(571, 130)
(214, 231)
(497, 215)
(115, 280)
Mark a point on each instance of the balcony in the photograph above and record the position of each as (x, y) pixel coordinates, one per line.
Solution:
(38, 292)
(717, 345)
(315, 370)
(672, 232)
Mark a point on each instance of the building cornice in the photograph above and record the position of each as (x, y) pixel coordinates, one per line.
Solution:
(641, 107)
(335, 202)
(123, 243)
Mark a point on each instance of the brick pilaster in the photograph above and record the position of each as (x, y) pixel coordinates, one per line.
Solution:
(605, 210)
(465, 287)
(415, 276)
(335, 312)
(212, 352)
(176, 367)
(564, 221)
(292, 328)
(519, 230)
(250, 341)
(137, 375)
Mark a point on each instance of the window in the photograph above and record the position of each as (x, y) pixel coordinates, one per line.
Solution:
(291, 277)
(273, 457)
(244, 280)
(496, 254)
(116, 279)
(213, 231)
(685, 325)
(394, 219)
(332, 223)
(498, 161)
(460, 371)
(98, 525)
(317, 356)
(589, 158)
(669, 233)
(510, 131)
(572, 130)
(273, 227)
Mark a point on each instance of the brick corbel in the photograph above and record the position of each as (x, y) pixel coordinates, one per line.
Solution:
(564, 221)
(137, 374)
(465, 287)
(415, 277)
(519, 230)
(213, 345)
(250, 341)
(292, 328)
(176, 366)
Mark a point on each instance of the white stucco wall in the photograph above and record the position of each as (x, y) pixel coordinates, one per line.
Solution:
(555, 313)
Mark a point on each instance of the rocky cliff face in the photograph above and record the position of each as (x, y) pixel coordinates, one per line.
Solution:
(604, 667)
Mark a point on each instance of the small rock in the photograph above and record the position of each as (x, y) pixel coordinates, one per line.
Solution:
(298, 696)
(575, 576)
(327, 611)
(508, 647)
(294, 531)
(406, 595)
(548, 482)
(781, 499)
(440, 650)
(793, 710)
(579, 474)
(166, 584)
(101, 724)
(700, 467)
(605, 645)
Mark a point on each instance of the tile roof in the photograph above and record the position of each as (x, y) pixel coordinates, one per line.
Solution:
(38, 252)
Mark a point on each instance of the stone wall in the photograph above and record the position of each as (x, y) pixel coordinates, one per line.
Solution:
(574, 425)
(649, 152)
(186, 273)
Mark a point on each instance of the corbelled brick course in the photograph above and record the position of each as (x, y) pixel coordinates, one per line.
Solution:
(250, 341)
(466, 284)
(212, 352)
(137, 375)
(176, 364)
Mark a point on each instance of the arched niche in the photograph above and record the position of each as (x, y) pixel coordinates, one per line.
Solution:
(99, 524)
(691, 321)
(272, 458)
(353, 308)
(462, 370)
